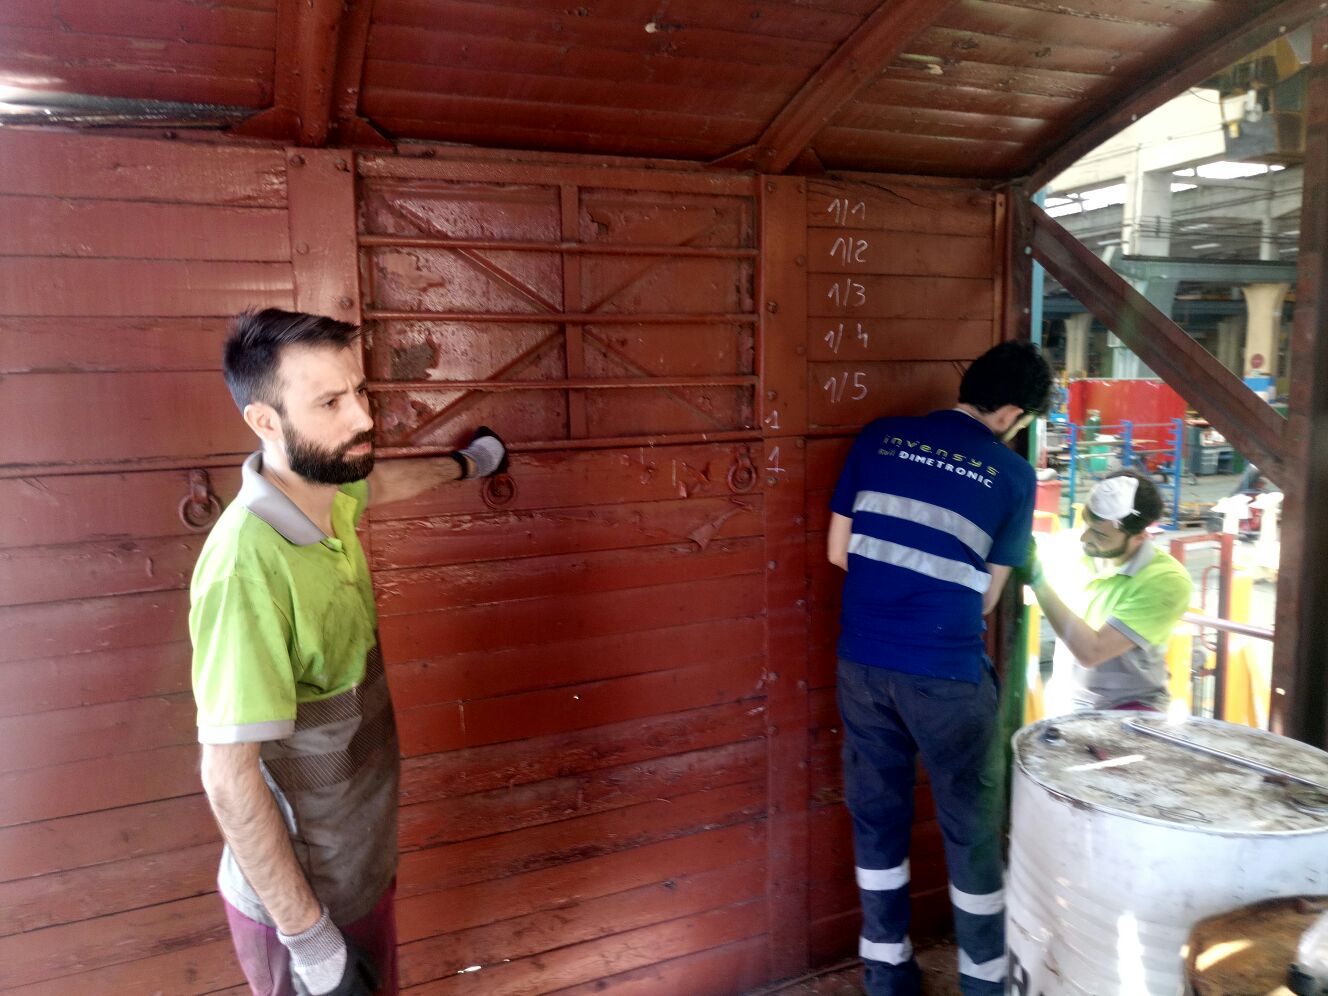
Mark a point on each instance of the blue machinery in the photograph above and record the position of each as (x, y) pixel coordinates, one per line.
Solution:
(1094, 456)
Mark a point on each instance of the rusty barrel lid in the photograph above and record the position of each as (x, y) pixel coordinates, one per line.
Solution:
(1199, 774)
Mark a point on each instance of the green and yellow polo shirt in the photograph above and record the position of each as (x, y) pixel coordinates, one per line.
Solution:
(286, 654)
(1142, 598)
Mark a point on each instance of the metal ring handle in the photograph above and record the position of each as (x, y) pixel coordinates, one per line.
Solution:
(199, 517)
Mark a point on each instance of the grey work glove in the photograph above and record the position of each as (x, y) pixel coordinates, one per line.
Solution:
(483, 456)
(325, 962)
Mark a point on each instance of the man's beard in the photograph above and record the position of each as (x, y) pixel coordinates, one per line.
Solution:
(322, 466)
(1110, 554)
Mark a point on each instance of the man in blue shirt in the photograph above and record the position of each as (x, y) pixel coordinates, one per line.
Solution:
(929, 516)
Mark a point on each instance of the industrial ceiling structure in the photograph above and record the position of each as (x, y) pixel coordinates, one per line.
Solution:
(987, 89)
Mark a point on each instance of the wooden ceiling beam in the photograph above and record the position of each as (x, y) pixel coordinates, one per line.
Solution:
(1214, 55)
(306, 61)
(348, 126)
(874, 45)
(1249, 422)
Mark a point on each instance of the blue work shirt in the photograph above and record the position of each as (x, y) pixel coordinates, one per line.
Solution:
(933, 501)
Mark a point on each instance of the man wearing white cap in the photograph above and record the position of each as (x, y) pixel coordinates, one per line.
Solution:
(1114, 604)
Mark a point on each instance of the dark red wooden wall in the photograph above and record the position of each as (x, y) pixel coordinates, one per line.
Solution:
(613, 679)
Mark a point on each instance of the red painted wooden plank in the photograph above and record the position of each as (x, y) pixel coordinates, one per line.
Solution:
(72, 408)
(422, 589)
(140, 287)
(56, 49)
(568, 617)
(79, 841)
(852, 395)
(78, 508)
(495, 132)
(520, 23)
(462, 538)
(899, 151)
(231, 24)
(1028, 81)
(899, 297)
(50, 738)
(199, 968)
(730, 968)
(470, 817)
(494, 946)
(57, 628)
(832, 250)
(898, 90)
(444, 677)
(550, 844)
(34, 345)
(87, 570)
(153, 68)
(1048, 52)
(46, 226)
(1065, 25)
(321, 185)
(899, 208)
(111, 941)
(106, 889)
(593, 477)
(523, 762)
(99, 783)
(393, 48)
(582, 172)
(43, 684)
(467, 114)
(883, 339)
(820, 21)
(83, 165)
(576, 707)
(579, 963)
(689, 96)
(451, 910)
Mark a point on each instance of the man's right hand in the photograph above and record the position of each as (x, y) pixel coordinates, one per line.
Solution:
(328, 963)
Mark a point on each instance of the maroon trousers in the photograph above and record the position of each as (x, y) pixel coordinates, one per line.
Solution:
(266, 964)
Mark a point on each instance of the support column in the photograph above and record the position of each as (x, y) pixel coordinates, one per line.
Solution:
(1263, 305)
(1146, 225)
(1230, 343)
(1076, 344)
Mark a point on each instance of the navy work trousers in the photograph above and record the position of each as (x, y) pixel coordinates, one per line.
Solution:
(889, 719)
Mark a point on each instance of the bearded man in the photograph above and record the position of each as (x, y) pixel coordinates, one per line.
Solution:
(300, 760)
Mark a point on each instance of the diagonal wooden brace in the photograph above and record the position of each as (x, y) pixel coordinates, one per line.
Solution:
(1249, 422)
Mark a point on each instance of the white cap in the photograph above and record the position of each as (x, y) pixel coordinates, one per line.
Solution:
(1113, 499)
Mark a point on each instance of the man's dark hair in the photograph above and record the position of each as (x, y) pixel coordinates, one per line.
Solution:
(1013, 373)
(1147, 503)
(252, 354)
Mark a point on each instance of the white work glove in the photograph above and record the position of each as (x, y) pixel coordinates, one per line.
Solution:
(483, 456)
(327, 963)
